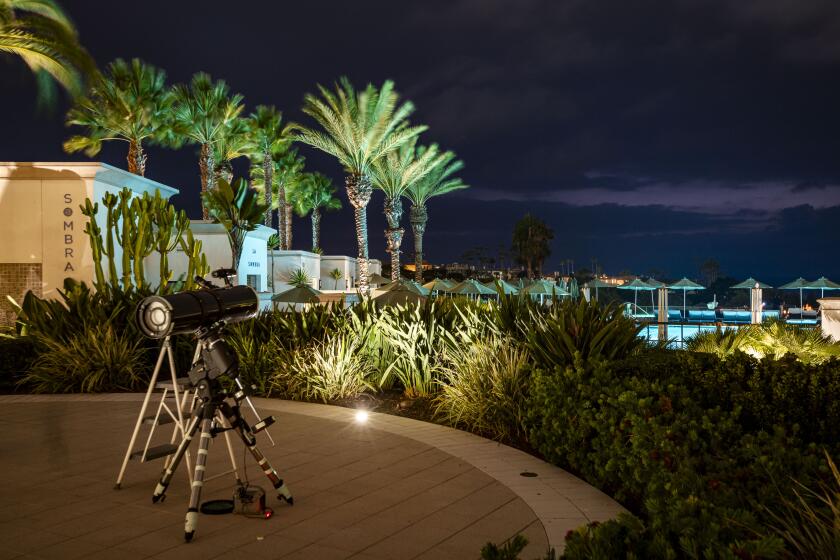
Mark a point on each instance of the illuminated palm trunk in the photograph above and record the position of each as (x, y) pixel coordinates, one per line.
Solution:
(394, 233)
(316, 228)
(359, 191)
(267, 176)
(288, 211)
(281, 215)
(208, 172)
(418, 217)
(136, 159)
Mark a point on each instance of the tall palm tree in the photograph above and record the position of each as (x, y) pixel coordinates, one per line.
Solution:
(289, 172)
(393, 174)
(39, 32)
(532, 243)
(357, 128)
(269, 139)
(233, 142)
(314, 193)
(131, 103)
(201, 113)
(438, 181)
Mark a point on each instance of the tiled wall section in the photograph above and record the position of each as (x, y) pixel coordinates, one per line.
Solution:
(15, 280)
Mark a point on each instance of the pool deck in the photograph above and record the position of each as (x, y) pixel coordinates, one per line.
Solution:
(390, 488)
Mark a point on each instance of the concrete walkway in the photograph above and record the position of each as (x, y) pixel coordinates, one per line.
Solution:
(389, 488)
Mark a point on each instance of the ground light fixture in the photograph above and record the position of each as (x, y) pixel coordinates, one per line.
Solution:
(361, 416)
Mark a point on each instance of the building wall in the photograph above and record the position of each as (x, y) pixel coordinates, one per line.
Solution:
(348, 268)
(287, 262)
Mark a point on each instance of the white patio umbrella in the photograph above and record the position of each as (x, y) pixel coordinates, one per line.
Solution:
(798, 284)
(822, 283)
(685, 285)
(636, 285)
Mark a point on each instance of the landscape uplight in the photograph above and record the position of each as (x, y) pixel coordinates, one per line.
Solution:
(361, 416)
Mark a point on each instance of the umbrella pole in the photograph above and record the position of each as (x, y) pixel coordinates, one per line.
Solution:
(800, 298)
(635, 300)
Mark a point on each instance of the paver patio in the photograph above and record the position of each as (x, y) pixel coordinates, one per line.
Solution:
(391, 488)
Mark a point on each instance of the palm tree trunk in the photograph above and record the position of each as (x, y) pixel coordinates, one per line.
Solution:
(281, 215)
(418, 217)
(288, 211)
(394, 233)
(316, 228)
(359, 191)
(268, 168)
(136, 158)
(205, 164)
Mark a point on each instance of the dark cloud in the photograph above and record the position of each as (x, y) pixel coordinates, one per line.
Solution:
(642, 131)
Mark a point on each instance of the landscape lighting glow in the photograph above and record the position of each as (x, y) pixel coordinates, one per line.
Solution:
(361, 416)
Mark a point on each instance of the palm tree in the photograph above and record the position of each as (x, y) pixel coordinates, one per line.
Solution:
(238, 208)
(233, 142)
(289, 172)
(201, 113)
(393, 174)
(268, 140)
(532, 243)
(336, 275)
(131, 103)
(39, 32)
(436, 182)
(314, 192)
(358, 128)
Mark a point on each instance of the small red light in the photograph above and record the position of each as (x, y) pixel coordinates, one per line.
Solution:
(268, 512)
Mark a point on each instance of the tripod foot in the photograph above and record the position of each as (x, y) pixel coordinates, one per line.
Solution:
(117, 486)
(190, 524)
(284, 494)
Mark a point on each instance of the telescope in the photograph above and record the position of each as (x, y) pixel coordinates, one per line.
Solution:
(187, 312)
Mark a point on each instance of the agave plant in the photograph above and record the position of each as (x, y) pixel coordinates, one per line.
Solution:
(358, 128)
(131, 103)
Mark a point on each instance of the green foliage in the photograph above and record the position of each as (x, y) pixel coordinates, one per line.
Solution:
(140, 226)
(130, 102)
(18, 354)
(810, 523)
(94, 360)
(357, 127)
(624, 537)
(532, 243)
(773, 339)
(508, 551)
(41, 34)
(579, 330)
(327, 371)
(685, 441)
(484, 388)
(299, 278)
(238, 208)
(202, 110)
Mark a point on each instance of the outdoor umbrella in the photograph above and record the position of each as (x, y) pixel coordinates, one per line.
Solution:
(685, 285)
(438, 285)
(655, 284)
(378, 279)
(472, 287)
(798, 284)
(404, 283)
(400, 295)
(636, 285)
(298, 294)
(822, 283)
(543, 288)
(594, 283)
(506, 288)
(750, 283)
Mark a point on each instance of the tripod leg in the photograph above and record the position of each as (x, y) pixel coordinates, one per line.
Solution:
(172, 466)
(244, 430)
(191, 520)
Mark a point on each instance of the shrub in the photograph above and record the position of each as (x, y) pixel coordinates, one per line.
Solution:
(570, 330)
(94, 360)
(328, 371)
(810, 523)
(16, 356)
(484, 388)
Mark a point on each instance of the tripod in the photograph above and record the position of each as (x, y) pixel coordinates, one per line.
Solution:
(216, 359)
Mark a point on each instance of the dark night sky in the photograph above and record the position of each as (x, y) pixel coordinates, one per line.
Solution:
(649, 135)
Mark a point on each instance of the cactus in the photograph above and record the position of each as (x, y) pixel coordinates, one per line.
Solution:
(141, 225)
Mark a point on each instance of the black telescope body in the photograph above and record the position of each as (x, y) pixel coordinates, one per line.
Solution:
(160, 316)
